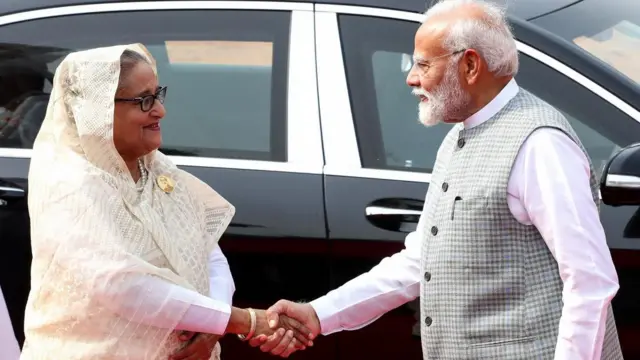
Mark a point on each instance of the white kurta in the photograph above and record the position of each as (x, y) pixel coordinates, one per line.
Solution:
(549, 189)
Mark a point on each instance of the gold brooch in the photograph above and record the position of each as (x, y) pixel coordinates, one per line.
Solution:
(165, 183)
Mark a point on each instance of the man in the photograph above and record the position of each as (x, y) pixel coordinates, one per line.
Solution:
(509, 258)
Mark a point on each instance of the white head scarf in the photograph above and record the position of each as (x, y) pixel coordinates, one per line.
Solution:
(94, 234)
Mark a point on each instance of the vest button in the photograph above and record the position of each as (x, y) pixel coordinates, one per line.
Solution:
(434, 230)
(427, 276)
(428, 321)
(460, 143)
(445, 187)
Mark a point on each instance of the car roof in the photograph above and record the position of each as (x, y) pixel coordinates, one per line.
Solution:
(525, 9)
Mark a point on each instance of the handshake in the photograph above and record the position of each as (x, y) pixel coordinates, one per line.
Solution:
(284, 328)
(281, 330)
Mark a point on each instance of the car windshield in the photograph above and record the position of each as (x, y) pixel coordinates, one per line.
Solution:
(608, 30)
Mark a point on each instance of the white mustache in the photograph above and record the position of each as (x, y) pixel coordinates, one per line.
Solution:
(421, 92)
(418, 92)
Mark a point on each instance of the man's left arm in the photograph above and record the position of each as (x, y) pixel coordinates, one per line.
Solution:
(556, 194)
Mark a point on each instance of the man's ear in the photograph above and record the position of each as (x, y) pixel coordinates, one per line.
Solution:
(471, 65)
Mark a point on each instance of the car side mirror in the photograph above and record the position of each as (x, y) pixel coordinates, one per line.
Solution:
(620, 181)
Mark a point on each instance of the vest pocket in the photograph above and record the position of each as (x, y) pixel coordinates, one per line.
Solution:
(461, 205)
(507, 349)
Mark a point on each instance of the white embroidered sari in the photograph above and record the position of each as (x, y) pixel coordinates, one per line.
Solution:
(95, 236)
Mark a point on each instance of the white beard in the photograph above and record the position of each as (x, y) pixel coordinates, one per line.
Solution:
(446, 102)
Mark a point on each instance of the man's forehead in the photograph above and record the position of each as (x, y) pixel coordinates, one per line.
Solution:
(429, 40)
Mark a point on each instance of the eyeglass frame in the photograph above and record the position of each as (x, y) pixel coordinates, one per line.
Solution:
(160, 95)
(428, 62)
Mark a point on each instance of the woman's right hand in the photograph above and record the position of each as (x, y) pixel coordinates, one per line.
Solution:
(289, 336)
(240, 323)
(288, 327)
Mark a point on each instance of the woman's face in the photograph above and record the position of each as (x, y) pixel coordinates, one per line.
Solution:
(137, 132)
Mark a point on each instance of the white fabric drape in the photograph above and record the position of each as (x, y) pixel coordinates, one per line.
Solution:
(96, 240)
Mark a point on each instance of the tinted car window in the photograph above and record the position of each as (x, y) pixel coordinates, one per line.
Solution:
(608, 30)
(385, 112)
(226, 74)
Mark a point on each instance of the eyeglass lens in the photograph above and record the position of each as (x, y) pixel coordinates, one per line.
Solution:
(149, 100)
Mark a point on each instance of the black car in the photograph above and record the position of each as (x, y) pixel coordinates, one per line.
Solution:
(298, 113)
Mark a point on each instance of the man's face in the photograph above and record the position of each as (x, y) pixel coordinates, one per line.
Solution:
(435, 78)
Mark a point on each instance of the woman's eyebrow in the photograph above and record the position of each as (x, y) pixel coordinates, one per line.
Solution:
(145, 92)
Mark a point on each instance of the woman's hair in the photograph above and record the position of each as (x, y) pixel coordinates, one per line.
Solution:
(128, 60)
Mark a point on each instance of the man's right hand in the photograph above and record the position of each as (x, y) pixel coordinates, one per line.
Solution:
(283, 343)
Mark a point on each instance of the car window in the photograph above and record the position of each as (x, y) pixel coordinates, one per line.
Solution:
(225, 72)
(385, 113)
(608, 30)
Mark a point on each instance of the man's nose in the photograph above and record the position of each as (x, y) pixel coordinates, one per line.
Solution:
(413, 80)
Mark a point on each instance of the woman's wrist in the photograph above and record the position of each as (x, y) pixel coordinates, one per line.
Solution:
(239, 322)
(252, 331)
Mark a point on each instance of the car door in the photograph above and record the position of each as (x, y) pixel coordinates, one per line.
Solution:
(15, 256)
(370, 208)
(379, 158)
(241, 115)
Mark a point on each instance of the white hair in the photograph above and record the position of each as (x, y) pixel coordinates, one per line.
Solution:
(489, 35)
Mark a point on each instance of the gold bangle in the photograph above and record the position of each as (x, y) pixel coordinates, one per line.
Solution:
(252, 328)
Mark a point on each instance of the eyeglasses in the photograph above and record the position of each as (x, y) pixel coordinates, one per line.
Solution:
(146, 102)
(423, 65)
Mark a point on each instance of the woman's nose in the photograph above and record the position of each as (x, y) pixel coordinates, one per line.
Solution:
(158, 110)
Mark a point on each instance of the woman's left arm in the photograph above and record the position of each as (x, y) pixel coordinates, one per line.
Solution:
(221, 285)
(221, 288)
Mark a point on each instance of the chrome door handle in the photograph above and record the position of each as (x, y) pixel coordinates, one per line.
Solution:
(11, 189)
(387, 211)
(623, 181)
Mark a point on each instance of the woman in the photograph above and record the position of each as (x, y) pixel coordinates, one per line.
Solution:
(122, 239)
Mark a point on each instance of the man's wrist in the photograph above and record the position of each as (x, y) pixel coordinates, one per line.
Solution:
(326, 314)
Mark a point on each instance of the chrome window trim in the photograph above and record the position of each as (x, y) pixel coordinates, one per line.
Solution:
(338, 131)
(150, 5)
(344, 165)
(304, 149)
(304, 138)
(369, 11)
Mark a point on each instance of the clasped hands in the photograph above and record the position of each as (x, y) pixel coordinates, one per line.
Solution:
(293, 327)
(281, 330)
